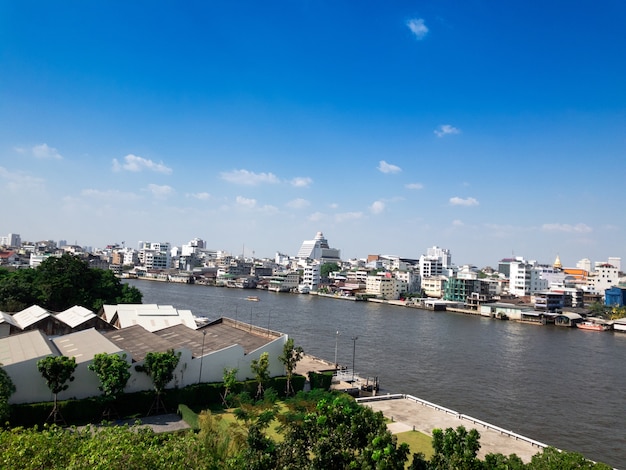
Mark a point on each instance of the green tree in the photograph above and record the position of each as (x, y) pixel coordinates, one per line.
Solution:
(57, 371)
(230, 379)
(336, 433)
(159, 366)
(328, 268)
(113, 372)
(62, 282)
(455, 449)
(554, 459)
(260, 369)
(290, 358)
(7, 388)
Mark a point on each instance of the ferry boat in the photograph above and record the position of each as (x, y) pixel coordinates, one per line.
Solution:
(252, 298)
(303, 289)
(589, 325)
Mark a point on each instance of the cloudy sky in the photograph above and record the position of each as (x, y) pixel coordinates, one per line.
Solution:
(488, 128)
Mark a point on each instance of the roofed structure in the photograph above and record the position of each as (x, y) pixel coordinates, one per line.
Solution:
(217, 335)
(26, 346)
(152, 317)
(138, 341)
(84, 345)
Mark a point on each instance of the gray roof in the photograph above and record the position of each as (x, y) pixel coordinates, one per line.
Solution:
(84, 345)
(217, 335)
(25, 346)
(138, 341)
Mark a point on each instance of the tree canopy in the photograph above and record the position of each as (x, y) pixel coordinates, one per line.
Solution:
(112, 370)
(59, 283)
(7, 388)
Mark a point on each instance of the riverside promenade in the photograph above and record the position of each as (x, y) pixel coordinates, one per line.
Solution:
(408, 413)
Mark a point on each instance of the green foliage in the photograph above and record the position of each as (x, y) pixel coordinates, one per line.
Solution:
(57, 371)
(7, 388)
(112, 370)
(290, 358)
(328, 268)
(189, 416)
(230, 379)
(62, 282)
(554, 459)
(321, 380)
(160, 367)
(260, 369)
(455, 449)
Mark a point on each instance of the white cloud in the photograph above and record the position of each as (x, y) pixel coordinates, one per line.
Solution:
(245, 202)
(43, 151)
(385, 167)
(316, 216)
(333, 205)
(458, 223)
(18, 180)
(377, 207)
(248, 178)
(301, 182)
(200, 196)
(417, 27)
(160, 191)
(567, 228)
(345, 216)
(414, 186)
(298, 203)
(446, 129)
(135, 164)
(108, 195)
(457, 201)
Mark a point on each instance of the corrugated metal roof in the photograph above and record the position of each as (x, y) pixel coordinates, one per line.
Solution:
(84, 345)
(75, 316)
(30, 316)
(151, 316)
(25, 346)
(138, 341)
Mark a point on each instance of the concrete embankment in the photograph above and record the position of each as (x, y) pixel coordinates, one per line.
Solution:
(409, 413)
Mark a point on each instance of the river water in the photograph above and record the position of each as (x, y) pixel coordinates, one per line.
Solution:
(561, 386)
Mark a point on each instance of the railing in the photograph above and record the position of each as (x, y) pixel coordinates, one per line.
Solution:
(434, 406)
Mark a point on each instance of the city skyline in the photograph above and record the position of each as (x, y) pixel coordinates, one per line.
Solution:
(491, 130)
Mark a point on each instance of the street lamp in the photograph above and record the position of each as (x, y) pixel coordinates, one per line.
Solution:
(336, 342)
(201, 355)
(354, 338)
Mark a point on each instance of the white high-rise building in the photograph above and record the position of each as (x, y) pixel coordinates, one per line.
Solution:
(11, 240)
(318, 249)
(525, 279)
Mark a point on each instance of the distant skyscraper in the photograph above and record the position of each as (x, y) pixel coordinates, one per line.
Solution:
(318, 249)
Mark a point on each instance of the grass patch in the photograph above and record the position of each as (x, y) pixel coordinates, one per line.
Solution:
(418, 442)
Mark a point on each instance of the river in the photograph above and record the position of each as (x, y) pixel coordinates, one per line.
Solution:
(564, 387)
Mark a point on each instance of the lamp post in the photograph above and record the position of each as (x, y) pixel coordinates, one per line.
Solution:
(336, 342)
(354, 338)
(201, 356)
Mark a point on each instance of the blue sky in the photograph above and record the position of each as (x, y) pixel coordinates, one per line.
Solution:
(488, 128)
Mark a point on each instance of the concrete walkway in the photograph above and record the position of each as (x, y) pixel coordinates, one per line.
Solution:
(407, 415)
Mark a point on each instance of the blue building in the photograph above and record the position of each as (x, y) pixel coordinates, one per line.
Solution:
(615, 296)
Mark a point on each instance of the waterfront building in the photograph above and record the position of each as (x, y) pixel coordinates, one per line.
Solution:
(385, 286)
(311, 274)
(615, 296)
(283, 282)
(602, 278)
(525, 278)
(155, 255)
(319, 249)
(548, 301)
(459, 289)
(433, 286)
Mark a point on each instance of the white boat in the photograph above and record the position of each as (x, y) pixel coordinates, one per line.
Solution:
(304, 289)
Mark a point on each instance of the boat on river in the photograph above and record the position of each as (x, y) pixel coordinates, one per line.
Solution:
(593, 326)
(252, 298)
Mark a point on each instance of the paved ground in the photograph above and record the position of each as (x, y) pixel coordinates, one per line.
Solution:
(407, 415)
